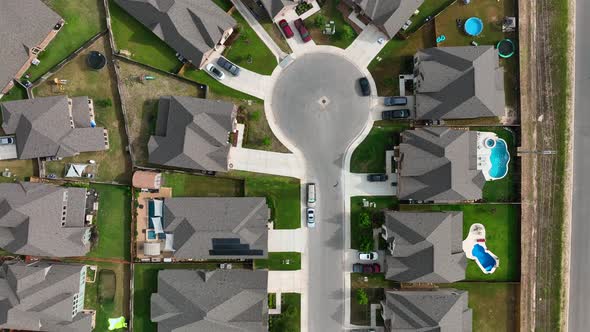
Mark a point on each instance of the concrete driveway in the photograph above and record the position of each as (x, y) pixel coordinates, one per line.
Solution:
(249, 82)
(366, 46)
(258, 161)
(358, 185)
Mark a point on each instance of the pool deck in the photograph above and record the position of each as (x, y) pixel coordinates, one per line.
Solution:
(477, 235)
(142, 215)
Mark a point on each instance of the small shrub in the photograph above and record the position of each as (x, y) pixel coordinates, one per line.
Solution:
(103, 102)
(320, 21)
(266, 141)
(361, 297)
(347, 32)
(365, 220)
(254, 116)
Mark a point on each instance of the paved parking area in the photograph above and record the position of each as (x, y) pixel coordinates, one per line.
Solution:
(358, 185)
(8, 151)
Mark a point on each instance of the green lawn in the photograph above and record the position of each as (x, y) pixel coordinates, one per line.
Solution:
(428, 8)
(145, 282)
(108, 308)
(358, 232)
(280, 261)
(283, 196)
(144, 45)
(113, 222)
(360, 314)
(16, 93)
(290, 318)
(374, 280)
(506, 189)
(502, 224)
(186, 185)
(344, 35)
(495, 305)
(84, 19)
(369, 156)
(21, 170)
(248, 51)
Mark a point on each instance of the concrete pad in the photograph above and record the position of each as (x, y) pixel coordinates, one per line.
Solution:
(358, 185)
(249, 82)
(366, 46)
(8, 151)
(258, 161)
(287, 240)
(284, 282)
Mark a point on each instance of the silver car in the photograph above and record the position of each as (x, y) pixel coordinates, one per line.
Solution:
(310, 217)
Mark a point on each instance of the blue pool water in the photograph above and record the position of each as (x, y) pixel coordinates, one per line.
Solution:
(486, 260)
(473, 26)
(499, 160)
(151, 235)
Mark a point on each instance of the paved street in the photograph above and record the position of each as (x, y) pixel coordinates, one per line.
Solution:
(579, 320)
(317, 104)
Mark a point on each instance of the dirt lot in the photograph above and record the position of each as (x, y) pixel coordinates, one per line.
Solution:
(141, 102)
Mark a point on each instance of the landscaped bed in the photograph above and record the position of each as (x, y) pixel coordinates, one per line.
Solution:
(280, 261)
(369, 156)
(290, 318)
(344, 35)
(99, 85)
(502, 224)
(361, 234)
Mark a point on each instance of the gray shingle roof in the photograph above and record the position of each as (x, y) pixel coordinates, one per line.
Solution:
(459, 83)
(191, 27)
(220, 300)
(192, 133)
(443, 310)
(24, 24)
(40, 297)
(274, 7)
(427, 247)
(43, 129)
(204, 227)
(439, 164)
(31, 219)
(389, 15)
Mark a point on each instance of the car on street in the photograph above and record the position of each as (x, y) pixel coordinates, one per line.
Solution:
(286, 29)
(310, 217)
(395, 114)
(395, 101)
(215, 72)
(368, 256)
(366, 268)
(227, 65)
(365, 86)
(377, 177)
(305, 35)
(311, 199)
(6, 140)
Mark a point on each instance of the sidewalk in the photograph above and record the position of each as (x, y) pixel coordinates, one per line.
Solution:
(257, 27)
(258, 161)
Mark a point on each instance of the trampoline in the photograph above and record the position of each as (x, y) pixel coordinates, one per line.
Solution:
(505, 48)
(96, 60)
(473, 26)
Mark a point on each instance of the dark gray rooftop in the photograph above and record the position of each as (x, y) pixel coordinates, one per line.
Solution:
(443, 310)
(191, 27)
(389, 15)
(220, 300)
(31, 217)
(40, 297)
(459, 83)
(217, 227)
(427, 247)
(192, 133)
(274, 7)
(43, 129)
(439, 164)
(24, 24)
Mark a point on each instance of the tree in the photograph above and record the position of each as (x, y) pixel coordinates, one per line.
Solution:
(365, 220)
(320, 21)
(361, 297)
(366, 244)
(347, 32)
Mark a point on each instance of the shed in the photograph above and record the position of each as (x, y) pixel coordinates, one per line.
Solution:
(151, 248)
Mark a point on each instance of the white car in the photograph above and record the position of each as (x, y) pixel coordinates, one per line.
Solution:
(310, 218)
(368, 256)
(215, 72)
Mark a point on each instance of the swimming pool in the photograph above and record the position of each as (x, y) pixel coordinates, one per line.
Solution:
(499, 159)
(473, 26)
(486, 260)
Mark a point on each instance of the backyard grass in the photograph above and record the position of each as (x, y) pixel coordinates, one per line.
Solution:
(16, 93)
(290, 318)
(344, 35)
(84, 19)
(495, 305)
(248, 51)
(369, 156)
(186, 185)
(141, 102)
(357, 231)
(113, 222)
(145, 282)
(502, 224)
(21, 170)
(360, 314)
(506, 189)
(108, 307)
(428, 8)
(283, 196)
(99, 85)
(280, 261)
(144, 45)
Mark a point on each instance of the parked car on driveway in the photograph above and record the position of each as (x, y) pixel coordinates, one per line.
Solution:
(395, 114)
(395, 101)
(218, 74)
(286, 29)
(305, 35)
(6, 140)
(366, 268)
(310, 218)
(365, 86)
(227, 65)
(377, 177)
(368, 256)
